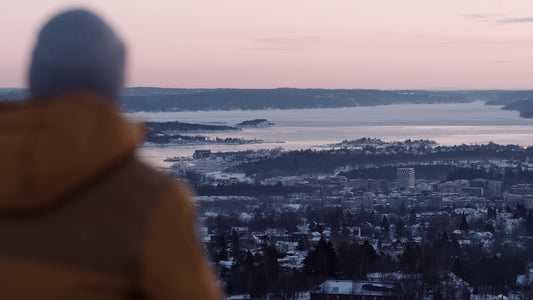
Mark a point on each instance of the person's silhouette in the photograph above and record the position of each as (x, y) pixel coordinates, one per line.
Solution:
(80, 216)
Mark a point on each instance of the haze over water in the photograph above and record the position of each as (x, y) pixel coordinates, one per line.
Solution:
(448, 124)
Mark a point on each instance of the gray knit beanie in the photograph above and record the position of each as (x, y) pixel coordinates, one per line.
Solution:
(76, 51)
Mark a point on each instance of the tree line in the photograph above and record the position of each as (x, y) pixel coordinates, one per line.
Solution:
(328, 161)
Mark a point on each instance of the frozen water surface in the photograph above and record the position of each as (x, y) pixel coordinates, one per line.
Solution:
(448, 124)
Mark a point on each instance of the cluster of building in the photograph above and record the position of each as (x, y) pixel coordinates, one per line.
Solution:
(412, 206)
(358, 290)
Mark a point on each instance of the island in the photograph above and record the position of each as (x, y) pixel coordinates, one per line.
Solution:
(175, 126)
(255, 123)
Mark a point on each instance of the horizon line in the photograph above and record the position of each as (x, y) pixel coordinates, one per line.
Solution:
(316, 88)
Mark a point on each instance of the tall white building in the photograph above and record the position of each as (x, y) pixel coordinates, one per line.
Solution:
(405, 178)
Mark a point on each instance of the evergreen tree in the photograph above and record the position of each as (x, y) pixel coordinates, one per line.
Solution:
(363, 216)
(402, 209)
(321, 262)
(465, 294)
(529, 222)
(399, 228)
(457, 269)
(464, 224)
(235, 247)
(491, 213)
(221, 245)
(412, 216)
(371, 217)
(445, 237)
(270, 267)
(385, 223)
(520, 211)
(488, 227)
(289, 221)
(303, 244)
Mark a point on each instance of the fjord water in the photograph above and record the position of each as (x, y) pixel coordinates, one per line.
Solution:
(448, 124)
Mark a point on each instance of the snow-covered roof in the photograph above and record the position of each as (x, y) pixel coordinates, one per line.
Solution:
(239, 297)
(348, 287)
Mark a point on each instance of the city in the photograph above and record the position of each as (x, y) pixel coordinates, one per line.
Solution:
(383, 230)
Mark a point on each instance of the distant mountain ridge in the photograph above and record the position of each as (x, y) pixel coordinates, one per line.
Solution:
(152, 99)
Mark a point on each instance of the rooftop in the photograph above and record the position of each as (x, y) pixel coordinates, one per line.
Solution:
(348, 287)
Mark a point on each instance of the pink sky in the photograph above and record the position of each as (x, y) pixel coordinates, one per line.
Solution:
(395, 44)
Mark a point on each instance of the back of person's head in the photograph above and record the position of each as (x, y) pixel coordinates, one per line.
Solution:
(76, 51)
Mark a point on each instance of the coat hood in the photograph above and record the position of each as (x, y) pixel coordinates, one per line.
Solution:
(50, 149)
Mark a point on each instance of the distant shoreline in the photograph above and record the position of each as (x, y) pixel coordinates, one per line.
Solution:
(151, 99)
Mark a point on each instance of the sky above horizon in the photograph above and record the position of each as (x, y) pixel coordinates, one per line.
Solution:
(407, 44)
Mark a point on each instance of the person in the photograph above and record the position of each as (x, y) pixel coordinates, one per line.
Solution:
(80, 216)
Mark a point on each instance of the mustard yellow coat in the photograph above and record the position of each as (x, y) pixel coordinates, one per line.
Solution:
(81, 218)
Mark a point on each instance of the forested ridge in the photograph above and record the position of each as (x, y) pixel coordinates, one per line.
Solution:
(328, 161)
(155, 99)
